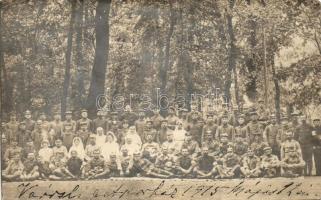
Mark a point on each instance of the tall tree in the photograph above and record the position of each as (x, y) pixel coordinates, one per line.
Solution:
(231, 53)
(79, 55)
(98, 76)
(68, 59)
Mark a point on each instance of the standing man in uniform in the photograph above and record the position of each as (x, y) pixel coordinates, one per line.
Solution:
(99, 122)
(84, 120)
(304, 136)
(68, 130)
(30, 124)
(316, 133)
(271, 136)
(12, 128)
(254, 127)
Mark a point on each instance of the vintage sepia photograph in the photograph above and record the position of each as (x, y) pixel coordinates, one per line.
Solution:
(160, 99)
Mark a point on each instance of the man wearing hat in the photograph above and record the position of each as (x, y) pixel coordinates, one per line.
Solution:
(55, 128)
(43, 118)
(139, 166)
(84, 120)
(195, 128)
(68, 129)
(241, 129)
(91, 146)
(251, 165)
(96, 167)
(30, 124)
(83, 132)
(172, 118)
(38, 134)
(12, 128)
(140, 124)
(225, 128)
(148, 129)
(23, 134)
(60, 148)
(184, 164)
(289, 143)
(157, 120)
(13, 170)
(254, 127)
(270, 163)
(128, 115)
(30, 168)
(4, 148)
(205, 164)
(12, 151)
(304, 137)
(271, 135)
(293, 164)
(162, 133)
(191, 145)
(231, 165)
(316, 133)
(99, 121)
(210, 126)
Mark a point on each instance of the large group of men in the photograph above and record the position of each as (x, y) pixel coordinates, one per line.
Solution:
(182, 144)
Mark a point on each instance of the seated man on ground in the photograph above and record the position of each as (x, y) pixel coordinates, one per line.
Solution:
(293, 164)
(205, 165)
(269, 163)
(184, 164)
(251, 165)
(30, 171)
(14, 169)
(58, 166)
(74, 164)
(231, 165)
(96, 167)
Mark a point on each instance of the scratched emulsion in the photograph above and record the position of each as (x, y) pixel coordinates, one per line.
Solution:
(142, 189)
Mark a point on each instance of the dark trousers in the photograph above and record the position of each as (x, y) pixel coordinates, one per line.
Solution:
(317, 160)
(307, 152)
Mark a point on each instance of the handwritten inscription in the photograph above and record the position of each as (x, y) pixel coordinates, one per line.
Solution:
(168, 190)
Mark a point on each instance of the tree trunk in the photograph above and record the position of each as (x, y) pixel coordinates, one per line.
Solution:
(231, 53)
(98, 76)
(251, 86)
(277, 94)
(5, 101)
(168, 45)
(79, 55)
(68, 61)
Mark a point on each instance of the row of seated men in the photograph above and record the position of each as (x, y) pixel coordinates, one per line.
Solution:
(189, 162)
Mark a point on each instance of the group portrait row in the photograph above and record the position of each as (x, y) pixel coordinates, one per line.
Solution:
(181, 144)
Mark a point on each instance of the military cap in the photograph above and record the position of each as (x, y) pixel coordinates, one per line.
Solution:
(68, 112)
(23, 122)
(253, 112)
(27, 112)
(83, 110)
(92, 136)
(316, 119)
(284, 118)
(224, 135)
(164, 120)
(187, 133)
(183, 110)
(267, 148)
(241, 116)
(295, 113)
(272, 116)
